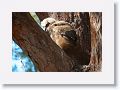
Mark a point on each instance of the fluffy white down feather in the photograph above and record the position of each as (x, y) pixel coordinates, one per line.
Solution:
(46, 21)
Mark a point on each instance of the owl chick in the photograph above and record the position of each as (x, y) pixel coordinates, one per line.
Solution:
(61, 33)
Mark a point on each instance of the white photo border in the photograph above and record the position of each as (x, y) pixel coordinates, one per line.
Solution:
(104, 77)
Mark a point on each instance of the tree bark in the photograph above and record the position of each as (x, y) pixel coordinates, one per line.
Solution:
(96, 41)
(88, 27)
(81, 23)
(46, 55)
(37, 44)
(42, 15)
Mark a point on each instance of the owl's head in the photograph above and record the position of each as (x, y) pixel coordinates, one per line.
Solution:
(46, 22)
(62, 34)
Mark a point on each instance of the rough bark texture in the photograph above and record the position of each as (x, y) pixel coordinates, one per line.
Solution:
(47, 56)
(88, 27)
(96, 41)
(81, 23)
(37, 44)
(42, 15)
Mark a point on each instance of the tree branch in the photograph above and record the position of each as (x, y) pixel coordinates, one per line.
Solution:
(37, 44)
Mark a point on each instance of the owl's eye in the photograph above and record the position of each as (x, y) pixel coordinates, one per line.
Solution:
(47, 24)
(55, 24)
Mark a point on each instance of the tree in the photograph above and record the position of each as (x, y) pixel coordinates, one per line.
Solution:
(45, 54)
(96, 41)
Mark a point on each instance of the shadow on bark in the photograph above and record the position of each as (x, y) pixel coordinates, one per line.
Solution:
(47, 56)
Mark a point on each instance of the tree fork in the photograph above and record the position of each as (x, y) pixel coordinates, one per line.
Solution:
(37, 44)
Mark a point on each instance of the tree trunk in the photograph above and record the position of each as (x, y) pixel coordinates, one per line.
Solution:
(88, 27)
(81, 23)
(96, 41)
(37, 44)
(42, 15)
(46, 55)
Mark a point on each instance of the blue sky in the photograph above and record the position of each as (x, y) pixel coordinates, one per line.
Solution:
(20, 62)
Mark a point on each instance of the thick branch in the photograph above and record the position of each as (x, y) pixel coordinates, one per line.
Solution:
(44, 53)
